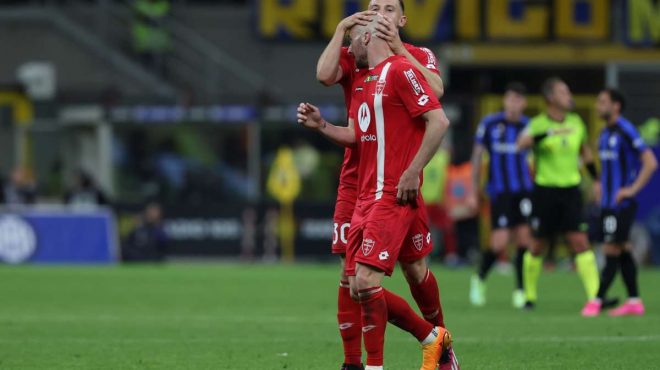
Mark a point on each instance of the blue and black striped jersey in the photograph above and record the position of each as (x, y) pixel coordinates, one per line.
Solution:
(508, 169)
(619, 149)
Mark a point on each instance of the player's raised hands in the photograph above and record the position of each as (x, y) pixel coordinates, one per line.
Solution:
(310, 116)
(408, 188)
(388, 31)
(357, 19)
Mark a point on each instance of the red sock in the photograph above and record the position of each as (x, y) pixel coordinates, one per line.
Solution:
(349, 317)
(374, 321)
(427, 296)
(404, 317)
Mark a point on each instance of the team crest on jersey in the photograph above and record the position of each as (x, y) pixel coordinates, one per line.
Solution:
(414, 83)
(364, 117)
(371, 78)
(380, 87)
(418, 241)
(367, 246)
(613, 141)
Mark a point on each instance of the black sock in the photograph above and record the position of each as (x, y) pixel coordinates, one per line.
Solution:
(629, 272)
(487, 261)
(608, 274)
(518, 264)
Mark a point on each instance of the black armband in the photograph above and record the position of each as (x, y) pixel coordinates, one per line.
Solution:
(537, 138)
(591, 168)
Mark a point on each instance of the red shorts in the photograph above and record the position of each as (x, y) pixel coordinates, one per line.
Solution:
(384, 232)
(344, 207)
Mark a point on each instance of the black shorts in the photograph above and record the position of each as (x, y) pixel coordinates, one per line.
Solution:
(616, 223)
(557, 210)
(510, 210)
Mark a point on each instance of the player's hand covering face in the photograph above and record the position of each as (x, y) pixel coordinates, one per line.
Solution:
(357, 19)
(309, 116)
(387, 31)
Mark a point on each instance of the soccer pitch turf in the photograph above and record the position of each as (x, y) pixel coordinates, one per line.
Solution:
(224, 316)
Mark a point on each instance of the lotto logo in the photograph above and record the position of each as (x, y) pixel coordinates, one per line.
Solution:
(418, 241)
(428, 238)
(423, 100)
(383, 256)
(367, 246)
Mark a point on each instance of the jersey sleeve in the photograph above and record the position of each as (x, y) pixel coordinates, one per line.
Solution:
(584, 137)
(346, 63)
(426, 58)
(480, 135)
(535, 127)
(415, 93)
(635, 140)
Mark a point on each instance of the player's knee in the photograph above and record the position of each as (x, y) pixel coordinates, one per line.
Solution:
(611, 249)
(578, 242)
(415, 272)
(366, 277)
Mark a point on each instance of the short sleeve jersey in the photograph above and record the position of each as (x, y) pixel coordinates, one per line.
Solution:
(619, 149)
(557, 156)
(348, 176)
(508, 170)
(387, 108)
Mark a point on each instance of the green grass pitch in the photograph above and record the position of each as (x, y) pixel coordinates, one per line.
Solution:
(227, 316)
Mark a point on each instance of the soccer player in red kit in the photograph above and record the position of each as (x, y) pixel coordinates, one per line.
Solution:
(399, 126)
(337, 65)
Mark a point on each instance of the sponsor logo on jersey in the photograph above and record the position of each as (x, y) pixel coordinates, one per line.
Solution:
(608, 155)
(383, 255)
(364, 117)
(431, 58)
(509, 148)
(423, 100)
(359, 89)
(414, 83)
(418, 241)
(367, 246)
(371, 78)
(428, 238)
(367, 138)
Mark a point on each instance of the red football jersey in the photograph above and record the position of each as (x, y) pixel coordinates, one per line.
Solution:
(348, 176)
(386, 108)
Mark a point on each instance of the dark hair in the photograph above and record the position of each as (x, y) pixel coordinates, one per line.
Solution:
(516, 87)
(403, 7)
(617, 97)
(549, 86)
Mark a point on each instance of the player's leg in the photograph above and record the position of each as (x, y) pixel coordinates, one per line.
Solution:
(498, 241)
(633, 305)
(349, 318)
(349, 312)
(377, 257)
(587, 269)
(544, 223)
(421, 280)
(522, 238)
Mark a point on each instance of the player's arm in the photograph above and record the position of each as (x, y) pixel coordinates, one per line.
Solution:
(390, 33)
(309, 116)
(328, 68)
(477, 155)
(649, 166)
(436, 126)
